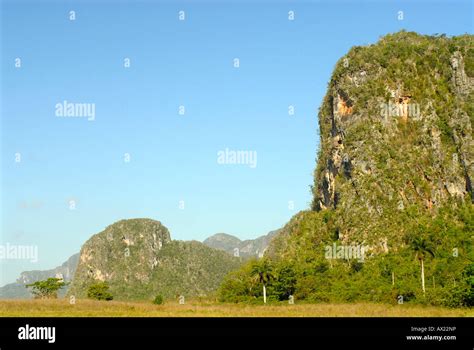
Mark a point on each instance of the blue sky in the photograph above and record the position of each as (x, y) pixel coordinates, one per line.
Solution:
(173, 157)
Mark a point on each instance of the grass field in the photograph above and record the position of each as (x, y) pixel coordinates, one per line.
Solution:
(84, 308)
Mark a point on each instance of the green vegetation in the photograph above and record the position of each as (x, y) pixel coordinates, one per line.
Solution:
(397, 189)
(300, 267)
(262, 274)
(99, 291)
(469, 62)
(18, 290)
(159, 300)
(246, 250)
(46, 289)
(421, 247)
(138, 259)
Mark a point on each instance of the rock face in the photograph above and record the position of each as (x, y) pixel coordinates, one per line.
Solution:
(396, 129)
(18, 290)
(140, 239)
(392, 186)
(460, 80)
(251, 248)
(138, 260)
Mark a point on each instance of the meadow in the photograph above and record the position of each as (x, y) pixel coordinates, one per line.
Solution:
(199, 308)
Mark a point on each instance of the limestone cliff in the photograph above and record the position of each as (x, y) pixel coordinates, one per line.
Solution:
(392, 185)
(138, 259)
(396, 131)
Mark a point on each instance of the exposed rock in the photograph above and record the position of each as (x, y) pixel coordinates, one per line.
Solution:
(460, 80)
(359, 143)
(18, 290)
(344, 105)
(138, 259)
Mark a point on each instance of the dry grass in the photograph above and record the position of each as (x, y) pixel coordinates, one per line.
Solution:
(85, 308)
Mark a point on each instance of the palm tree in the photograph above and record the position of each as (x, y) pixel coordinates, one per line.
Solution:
(262, 273)
(422, 247)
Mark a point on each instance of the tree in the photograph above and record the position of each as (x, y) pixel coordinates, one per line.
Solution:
(47, 289)
(262, 273)
(284, 284)
(422, 247)
(237, 285)
(99, 291)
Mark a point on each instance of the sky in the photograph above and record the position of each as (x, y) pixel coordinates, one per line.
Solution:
(168, 96)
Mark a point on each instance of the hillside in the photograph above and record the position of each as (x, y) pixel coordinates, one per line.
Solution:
(18, 289)
(139, 260)
(221, 241)
(392, 193)
(250, 248)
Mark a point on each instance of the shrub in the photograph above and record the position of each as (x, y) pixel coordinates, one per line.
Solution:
(99, 291)
(159, 300)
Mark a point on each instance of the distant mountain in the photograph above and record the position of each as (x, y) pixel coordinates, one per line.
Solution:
(18, 289)
(139, 260)
(245, 249)
(155, 262)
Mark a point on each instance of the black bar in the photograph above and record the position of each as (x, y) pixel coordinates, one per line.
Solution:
(369, 332)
